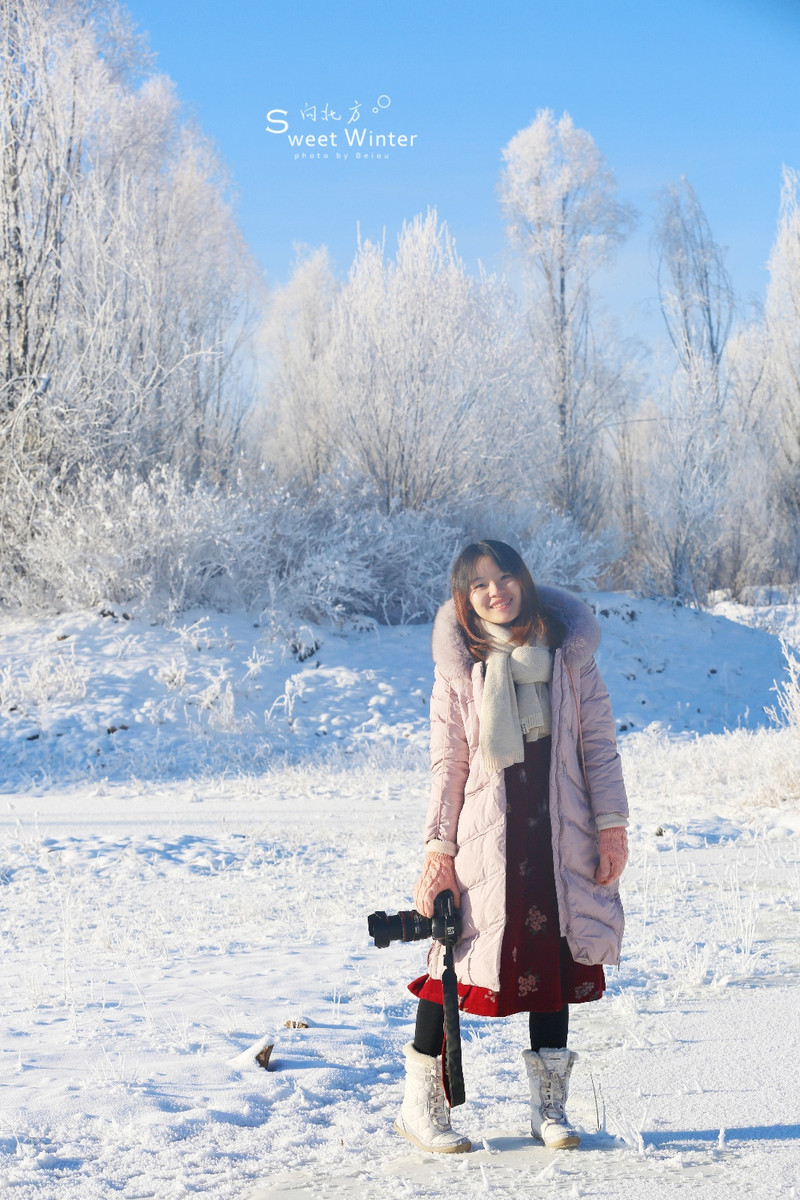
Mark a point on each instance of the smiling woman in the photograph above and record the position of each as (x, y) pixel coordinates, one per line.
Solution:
(526, 828)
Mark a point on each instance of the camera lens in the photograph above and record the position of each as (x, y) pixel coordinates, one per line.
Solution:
(407, 926)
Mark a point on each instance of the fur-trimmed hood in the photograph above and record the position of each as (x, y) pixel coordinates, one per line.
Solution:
(581, 639)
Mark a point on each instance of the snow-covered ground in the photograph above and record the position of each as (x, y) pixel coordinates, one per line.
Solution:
(196, 824)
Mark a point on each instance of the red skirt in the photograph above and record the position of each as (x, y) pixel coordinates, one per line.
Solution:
(537, 971)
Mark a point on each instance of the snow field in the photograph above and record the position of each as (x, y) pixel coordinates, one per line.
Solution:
(161, 922)
(151, 940)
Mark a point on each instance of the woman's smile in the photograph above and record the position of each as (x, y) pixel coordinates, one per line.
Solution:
(495, 595)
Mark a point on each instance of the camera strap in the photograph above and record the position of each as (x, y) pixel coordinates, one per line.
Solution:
(452, 1074)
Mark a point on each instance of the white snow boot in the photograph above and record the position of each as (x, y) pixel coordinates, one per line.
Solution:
(425, 1115)
(548, 1076)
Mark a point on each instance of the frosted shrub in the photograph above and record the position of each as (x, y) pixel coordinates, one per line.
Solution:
(318, 555)
(335, 555)
(558, 552)
(554, 548)
(120, 538)
(787, 710)
(314, 565)
(327, 582)
(743, 768)
(411, 553)
(312, 557)
(50, 677)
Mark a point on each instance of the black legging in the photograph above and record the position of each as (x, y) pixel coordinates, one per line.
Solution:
(546, 1029)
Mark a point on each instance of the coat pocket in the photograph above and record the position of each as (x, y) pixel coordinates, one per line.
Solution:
(572, 769)
(576, 807)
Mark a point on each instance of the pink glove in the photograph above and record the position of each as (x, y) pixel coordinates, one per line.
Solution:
(438, 874)
(613, 846)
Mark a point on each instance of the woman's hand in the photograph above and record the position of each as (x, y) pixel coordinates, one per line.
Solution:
(613, 846)
(438, 875)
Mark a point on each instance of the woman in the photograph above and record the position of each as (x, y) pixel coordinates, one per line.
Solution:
(526, 826)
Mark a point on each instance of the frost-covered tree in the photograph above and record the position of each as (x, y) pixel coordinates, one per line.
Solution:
(123, 282)
(423, 362)
(682, 501)
(688, 481)
(296, 432)
(45, 113)
(406, 376)
(565, 221)
(749, 537)
(695, 290)
(158, 288)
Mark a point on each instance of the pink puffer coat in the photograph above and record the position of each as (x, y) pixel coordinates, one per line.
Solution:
(468, 805)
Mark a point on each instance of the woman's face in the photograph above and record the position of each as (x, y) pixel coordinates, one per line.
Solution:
(495, 595)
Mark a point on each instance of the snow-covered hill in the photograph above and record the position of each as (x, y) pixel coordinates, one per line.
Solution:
(194, 828)
(104, 694)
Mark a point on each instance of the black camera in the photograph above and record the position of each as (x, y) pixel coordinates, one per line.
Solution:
(410, 926)
(445, 927)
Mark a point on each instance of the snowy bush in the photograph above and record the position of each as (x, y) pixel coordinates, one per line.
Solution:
(787, 710)
(555, 549)
(414, 553)
(321, 556)
(338, 555)
(343, 555)
(120, 538)
(757, 767)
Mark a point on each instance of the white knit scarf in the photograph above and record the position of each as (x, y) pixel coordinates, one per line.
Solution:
(516, 699)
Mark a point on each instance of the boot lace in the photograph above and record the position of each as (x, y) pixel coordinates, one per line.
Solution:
(552, 1097)
(439, 1109)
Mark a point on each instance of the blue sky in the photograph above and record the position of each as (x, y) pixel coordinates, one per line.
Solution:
(708, 89)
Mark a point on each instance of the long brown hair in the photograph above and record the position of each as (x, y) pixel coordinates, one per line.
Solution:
(532, 622)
